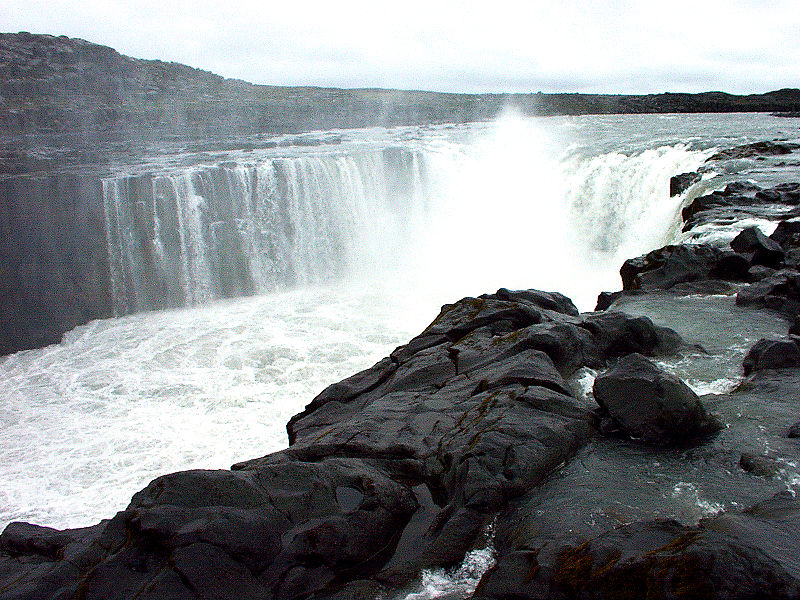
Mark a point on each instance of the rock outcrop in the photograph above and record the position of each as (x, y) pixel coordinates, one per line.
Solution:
(394, 469)
(779, 353)
(761, 269)
(680, 183)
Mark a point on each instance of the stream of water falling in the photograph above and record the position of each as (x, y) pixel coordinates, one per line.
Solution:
(349, 251)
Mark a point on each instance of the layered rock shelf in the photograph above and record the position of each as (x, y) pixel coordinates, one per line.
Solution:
(397, 468)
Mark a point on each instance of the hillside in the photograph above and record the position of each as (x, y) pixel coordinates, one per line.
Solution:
(61, 86)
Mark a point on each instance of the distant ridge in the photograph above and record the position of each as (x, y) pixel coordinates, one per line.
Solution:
(66, 86)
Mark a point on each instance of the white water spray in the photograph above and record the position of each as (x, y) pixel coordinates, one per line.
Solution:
(429, 218)
(521, 208)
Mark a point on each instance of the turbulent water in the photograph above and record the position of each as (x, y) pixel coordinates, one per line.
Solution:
(343, 252)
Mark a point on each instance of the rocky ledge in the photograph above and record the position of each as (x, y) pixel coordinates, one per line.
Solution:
(397, 468)
(403, 466)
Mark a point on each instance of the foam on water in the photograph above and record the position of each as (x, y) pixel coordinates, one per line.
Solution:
(458, 582)
(521, 203)
(721, 234)
(91, 421)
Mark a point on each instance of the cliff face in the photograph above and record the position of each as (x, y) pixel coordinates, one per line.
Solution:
(53, 258)
(59, 85)
(73, 88)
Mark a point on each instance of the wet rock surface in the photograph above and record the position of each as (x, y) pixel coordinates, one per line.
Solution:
(752, 554)
(777, 353)
(680, 183)
(762, 270)
(651, 405)
(392, 470)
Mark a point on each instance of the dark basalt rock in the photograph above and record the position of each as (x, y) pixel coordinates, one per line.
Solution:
(752, 554)
(731, 266)
(765, 148)
(762, 466)
(733, 193)
(392, 470)
(606, 299)
(794, 431)
(780, 292)
(668, 266)
(763, 250)
(651, 405)
(787, 233)
(547, 300)
(741, 200)
(772, 354)
(617, 334)
(784, 193)
(680, 183)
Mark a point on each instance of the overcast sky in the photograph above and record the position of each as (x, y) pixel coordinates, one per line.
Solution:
(620, 46)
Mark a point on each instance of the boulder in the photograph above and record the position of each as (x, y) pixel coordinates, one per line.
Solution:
(651, 405)
(703, 204)
(780, 291)
(764, 251)
(671, 265)
(616, 334)
(776, 353)
(762, 466)
(731, 266)
(787, 233)
(606, 299)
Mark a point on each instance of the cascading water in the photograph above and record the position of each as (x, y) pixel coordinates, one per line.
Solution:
(394, 224)
(512, 207)
(521, 208)
(187, 238)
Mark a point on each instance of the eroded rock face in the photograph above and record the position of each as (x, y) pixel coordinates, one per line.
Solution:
(680, 183)
(651, 405)
(394, 469)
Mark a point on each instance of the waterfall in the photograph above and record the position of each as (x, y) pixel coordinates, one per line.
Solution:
(524, 206)
(514, 205)
(434, 213)
(211, 232)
